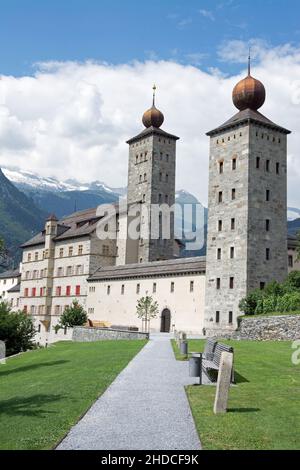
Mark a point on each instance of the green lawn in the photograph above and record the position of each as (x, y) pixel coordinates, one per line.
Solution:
(44, 392)
(264, 407)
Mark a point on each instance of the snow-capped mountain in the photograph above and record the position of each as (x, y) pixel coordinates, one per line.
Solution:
(28, 181)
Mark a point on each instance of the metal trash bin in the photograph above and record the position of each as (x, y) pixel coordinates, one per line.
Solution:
(184, 347)
(195, 366)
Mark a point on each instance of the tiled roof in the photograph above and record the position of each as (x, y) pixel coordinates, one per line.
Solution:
(75, 225)
(16, 288)
(292, 242)
(248, 115)
(153, 269)
(150, 131)
(10, 274)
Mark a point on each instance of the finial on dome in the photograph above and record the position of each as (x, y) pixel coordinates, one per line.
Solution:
(153, 117)
(249, 93)
(154, 92)
(249, 62)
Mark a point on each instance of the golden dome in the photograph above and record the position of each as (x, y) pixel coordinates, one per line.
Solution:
(153, 117)
(249, 93)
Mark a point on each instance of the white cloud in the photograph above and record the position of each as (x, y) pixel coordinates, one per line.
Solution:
(207, 14)
(71, 120)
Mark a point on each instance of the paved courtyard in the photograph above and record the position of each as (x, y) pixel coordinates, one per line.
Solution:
(144, 408)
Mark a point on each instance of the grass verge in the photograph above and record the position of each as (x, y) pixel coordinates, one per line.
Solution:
(264, 407)
(44, 392)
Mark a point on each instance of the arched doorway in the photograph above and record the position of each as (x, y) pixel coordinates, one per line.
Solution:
(165, 321)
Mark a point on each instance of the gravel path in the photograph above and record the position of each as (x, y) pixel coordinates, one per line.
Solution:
(144, 408)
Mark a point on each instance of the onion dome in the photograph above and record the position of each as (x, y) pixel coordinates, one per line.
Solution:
(249, 93)
(153, 117)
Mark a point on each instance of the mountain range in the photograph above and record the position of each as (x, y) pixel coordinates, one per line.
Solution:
(27, 198)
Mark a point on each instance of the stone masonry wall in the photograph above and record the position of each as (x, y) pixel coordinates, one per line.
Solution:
(85, 334)
(277, 328)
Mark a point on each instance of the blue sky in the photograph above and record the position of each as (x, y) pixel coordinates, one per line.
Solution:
(119, 31)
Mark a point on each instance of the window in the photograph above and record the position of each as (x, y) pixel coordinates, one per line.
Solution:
(136, 159)
(154, 288)
(219, 253)
(68, 290)
(268, 195)
(58, 291)
(166, 198)
(232, 252)
(60, 272)
(79, 269)
(160, 176)
(140, 178)
(172, 286)
(144, 198)
(233, 194)
(232, 224)
(138, 288)
(80, 249)
(61, 252)
(268, 254)
(267, 225)
(262, 285)
(220, 196)
(231, 283)
(108, 290)
(220, 225)
(257, 162)
(221, 167)
(167, 178)
(192, 286)
(230, 318)
(41, 291)
(161, 156)
(77, 290)
(122, 289)
(167, 158)
(27, 274)
(145, 177)
(217, 317)
(36, 256)
(29, 257)
(159, 198)
(267, 165)
(33, 292)
(218, 284)
(291, 261)
(39, 328)
(25, 309)
(105, 250)
(277, 168)
(69, 271)
(70, 251)
(234, 164)
(26, 291)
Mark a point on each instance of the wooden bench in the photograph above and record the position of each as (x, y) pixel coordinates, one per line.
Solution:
(209, 349)
(213, 364)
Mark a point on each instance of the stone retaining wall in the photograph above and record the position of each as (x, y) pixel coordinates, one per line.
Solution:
(82, 333)
(280, 328)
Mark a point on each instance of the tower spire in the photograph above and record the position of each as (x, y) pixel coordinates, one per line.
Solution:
(154, 92)
(249, 62)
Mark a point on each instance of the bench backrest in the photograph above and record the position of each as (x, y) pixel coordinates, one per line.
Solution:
(220, 347)
(209, 348)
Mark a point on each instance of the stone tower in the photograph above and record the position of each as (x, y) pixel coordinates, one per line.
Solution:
(247, 234)
(151, 182)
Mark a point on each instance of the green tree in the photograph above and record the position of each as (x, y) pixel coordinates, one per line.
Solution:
(3, 254)
(73, 315)
(16, 330)
(293, 281)
(298, 246)
(146, 309)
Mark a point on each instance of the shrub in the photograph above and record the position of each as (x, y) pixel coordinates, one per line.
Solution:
(73, 315)
(16, 330)
(293, 281)
(289, 302)
(248, 305)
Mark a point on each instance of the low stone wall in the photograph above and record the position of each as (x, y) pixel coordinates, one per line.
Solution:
(277, 328)
(283, 327)
(82, 333)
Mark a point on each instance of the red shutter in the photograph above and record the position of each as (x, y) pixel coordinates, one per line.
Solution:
(41, 292)
(77, 290)
(26, 293)
(68, 290)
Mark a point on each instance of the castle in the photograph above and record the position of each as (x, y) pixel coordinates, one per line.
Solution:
(246, 241)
